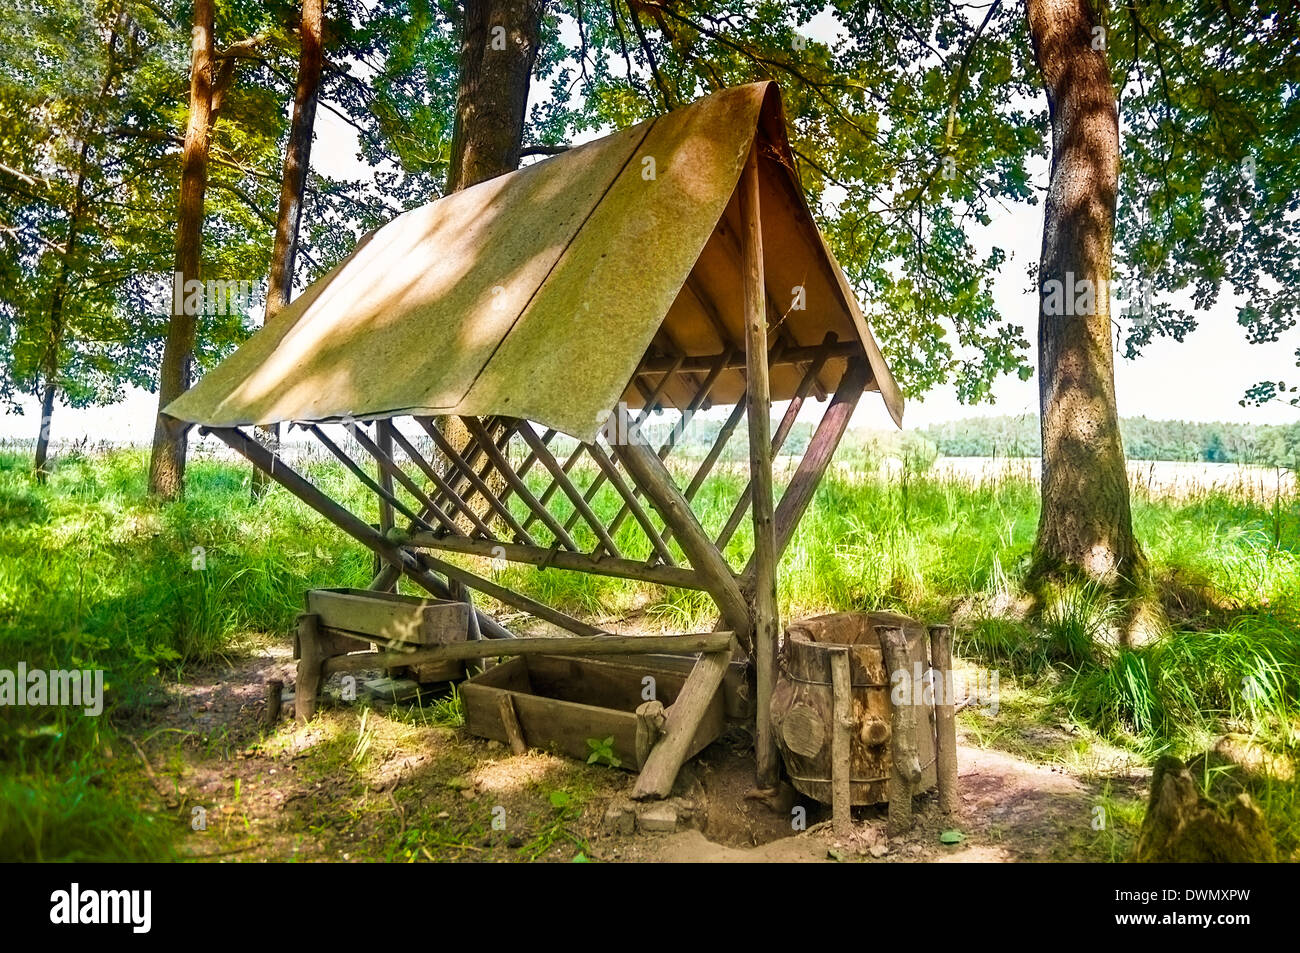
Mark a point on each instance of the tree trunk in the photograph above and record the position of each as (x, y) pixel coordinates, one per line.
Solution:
(293, 186)
(498, 49)
(1085, 529)
(167, 465)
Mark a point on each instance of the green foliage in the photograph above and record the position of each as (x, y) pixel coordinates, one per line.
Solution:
(602, 749)
(1144, 439)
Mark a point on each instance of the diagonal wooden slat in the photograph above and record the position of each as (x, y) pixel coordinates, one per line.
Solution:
(431, 472)
(389, 467)
(475, 427)
(629, 495)
(356, 470)
(477, 481)
(778, 441)
(571, 491)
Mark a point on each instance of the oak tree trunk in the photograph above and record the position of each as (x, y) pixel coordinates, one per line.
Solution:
(498, 50)
(1085, 529)
(293, 187)
(167, 465)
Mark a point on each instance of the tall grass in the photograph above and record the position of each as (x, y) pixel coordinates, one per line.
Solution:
(92, 574)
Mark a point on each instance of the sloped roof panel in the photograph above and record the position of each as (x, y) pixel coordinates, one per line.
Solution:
(536, 294)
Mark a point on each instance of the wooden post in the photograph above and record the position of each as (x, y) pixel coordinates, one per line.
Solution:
(384, 443)
(945, 718)
(684, 715)
(310, 664)
(650, 720)
(274, 687)
(841, 759)
(905, 770)
(759, 409)
(510, 719)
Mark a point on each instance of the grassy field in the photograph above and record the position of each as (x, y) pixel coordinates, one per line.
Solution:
(92, 575)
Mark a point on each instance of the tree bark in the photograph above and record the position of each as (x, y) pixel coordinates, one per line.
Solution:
(167, 465)
(499, 42)
(1085, 529)
(293, 187)
(498, 49)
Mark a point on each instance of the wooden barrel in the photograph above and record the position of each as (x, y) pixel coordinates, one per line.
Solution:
(802, 703)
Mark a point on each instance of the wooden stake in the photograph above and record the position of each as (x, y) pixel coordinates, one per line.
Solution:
(759, 409)
(684, 716)
(274, 687)
(310, 660)
(945, 718)
(905, 770)
(510, 720)
(650, 719)
(841, 762)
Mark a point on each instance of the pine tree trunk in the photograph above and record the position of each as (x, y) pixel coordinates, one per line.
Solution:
(167, 465)
(498, 49)
(293, 187)
(1085, 529)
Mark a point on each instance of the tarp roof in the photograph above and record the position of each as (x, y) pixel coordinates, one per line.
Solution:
(537, 294)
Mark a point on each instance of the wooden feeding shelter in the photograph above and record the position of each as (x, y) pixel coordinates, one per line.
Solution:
(671, 265)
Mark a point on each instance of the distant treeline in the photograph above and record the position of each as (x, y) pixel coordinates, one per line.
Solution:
(1144, 439)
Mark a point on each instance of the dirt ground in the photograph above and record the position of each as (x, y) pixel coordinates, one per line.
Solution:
(399, 782)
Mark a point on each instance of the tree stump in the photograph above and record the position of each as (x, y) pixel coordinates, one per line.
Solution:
(1182, 825)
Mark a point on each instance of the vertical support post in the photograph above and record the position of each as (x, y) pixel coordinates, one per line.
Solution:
(905, 768)
(759, 409)
(841, 740)
(310, 659)
(945, 717)
(384, 439)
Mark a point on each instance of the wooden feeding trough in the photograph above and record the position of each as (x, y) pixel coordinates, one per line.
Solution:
(565, 703)
(497, 357)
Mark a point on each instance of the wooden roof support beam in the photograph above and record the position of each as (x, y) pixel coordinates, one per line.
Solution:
(677, 576)
(652, 477)
(289, 478)
(477, 431)
(759, 402)
(784, 357)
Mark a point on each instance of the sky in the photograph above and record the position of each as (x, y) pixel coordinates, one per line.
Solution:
(1202, 378)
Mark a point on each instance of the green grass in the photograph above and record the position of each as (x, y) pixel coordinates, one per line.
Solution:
(93, 575)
